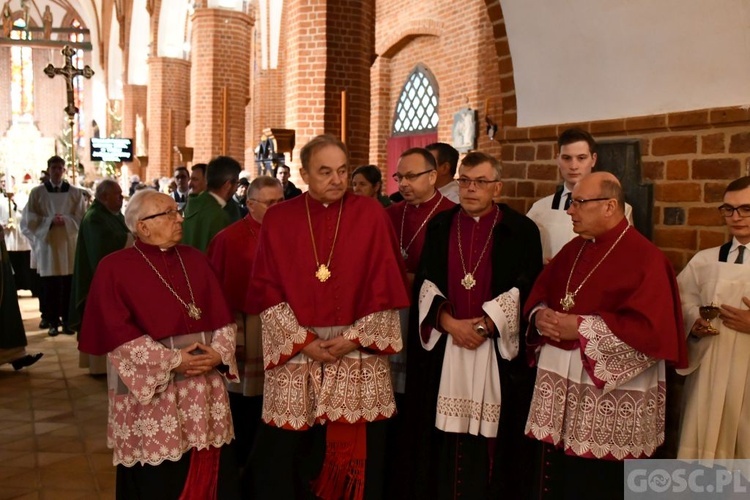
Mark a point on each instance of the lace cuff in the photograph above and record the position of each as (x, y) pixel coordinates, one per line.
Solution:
(144, 366)
(283, 337)
(609, 361)
(380, 331)
(505, 311)
(224, 342)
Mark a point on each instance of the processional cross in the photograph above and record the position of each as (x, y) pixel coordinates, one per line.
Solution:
(69, 71)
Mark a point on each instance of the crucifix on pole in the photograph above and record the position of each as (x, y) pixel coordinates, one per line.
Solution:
(69, 71)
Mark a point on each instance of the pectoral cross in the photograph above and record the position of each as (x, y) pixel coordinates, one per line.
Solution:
(69, 72)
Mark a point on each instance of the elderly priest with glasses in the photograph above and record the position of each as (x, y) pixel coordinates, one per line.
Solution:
(169, 338)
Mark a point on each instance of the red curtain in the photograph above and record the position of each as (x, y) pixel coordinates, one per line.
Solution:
(399, 144)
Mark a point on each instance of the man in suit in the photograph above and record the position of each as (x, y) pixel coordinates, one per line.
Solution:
(180, 194)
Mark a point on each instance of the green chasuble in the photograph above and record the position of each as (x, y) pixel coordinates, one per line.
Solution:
(101, 233)
(204, 217)
(12, 334)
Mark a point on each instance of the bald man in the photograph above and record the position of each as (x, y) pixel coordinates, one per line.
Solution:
(605, 316)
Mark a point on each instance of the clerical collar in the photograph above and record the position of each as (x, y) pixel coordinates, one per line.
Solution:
(425, 202)
(218, 198)
(612, 234)
(58, 186)
(150, 249)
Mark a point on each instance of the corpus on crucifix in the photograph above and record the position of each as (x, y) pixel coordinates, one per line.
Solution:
(69, 71)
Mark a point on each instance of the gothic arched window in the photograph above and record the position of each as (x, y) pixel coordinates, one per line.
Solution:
(78, 89)
(417, 108)
(22, 76)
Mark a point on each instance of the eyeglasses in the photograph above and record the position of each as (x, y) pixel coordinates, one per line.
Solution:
(728, 210)
(410, 177)
(580, 201)
(465, 182)
(268, 203)
(172, 213)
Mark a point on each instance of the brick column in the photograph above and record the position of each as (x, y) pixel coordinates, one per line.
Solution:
(134, 102)
(220, 76)
(380, 113)
(168, 89)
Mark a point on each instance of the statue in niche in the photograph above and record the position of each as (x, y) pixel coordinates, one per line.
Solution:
(47, 23)
(140, 136)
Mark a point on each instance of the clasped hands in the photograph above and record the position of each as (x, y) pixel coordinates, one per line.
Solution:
(197, 359)
(328, 351)
(555, 325)
(463, 331)
(731, 317)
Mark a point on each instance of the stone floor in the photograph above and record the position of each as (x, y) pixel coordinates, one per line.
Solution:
(53, 418)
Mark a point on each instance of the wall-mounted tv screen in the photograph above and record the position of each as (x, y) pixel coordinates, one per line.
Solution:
(111, 149)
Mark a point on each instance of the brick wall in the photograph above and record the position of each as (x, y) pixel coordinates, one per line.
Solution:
(135, 102)
(168, 89)
(268, 103)
(220, 67)
(305, 71)
(351, 44)
(690, 157)
(463, 62)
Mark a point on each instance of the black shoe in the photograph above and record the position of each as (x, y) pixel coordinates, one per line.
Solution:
(27, 360)
(52, 331)
(68, 331)
(44, 324)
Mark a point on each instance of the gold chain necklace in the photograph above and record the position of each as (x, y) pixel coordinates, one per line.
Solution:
(468, 280)
(568, 302)
(193, 310)
(405, 249)
(323, 271)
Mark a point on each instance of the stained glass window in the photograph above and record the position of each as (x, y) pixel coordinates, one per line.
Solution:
(78, 89)
(22, 76)
(416, 110)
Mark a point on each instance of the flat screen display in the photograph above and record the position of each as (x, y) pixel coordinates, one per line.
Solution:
(111, 149)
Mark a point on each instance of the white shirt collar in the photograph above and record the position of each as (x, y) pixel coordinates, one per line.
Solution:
(218, 198)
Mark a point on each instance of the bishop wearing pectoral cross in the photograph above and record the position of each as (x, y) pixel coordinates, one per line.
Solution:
(464, 369)
(327, 282)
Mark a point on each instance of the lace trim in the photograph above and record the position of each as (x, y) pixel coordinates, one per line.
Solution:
(619, 424)
(381, 329)
(298, 395)
(468, 409)
(224, 342)
(281, 332)
(144, 366)
(615, 362)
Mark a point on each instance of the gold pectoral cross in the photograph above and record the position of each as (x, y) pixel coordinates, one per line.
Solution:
(567, 302)
(323, 273)
(468, 281)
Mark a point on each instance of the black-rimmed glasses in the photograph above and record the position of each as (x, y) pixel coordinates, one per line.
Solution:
(171, 213)
(465, 182)
(410, 177)
(728, 210)
(582, 201)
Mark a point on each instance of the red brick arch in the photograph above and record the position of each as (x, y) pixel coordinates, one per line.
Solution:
(504, 62)
(408, 31)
